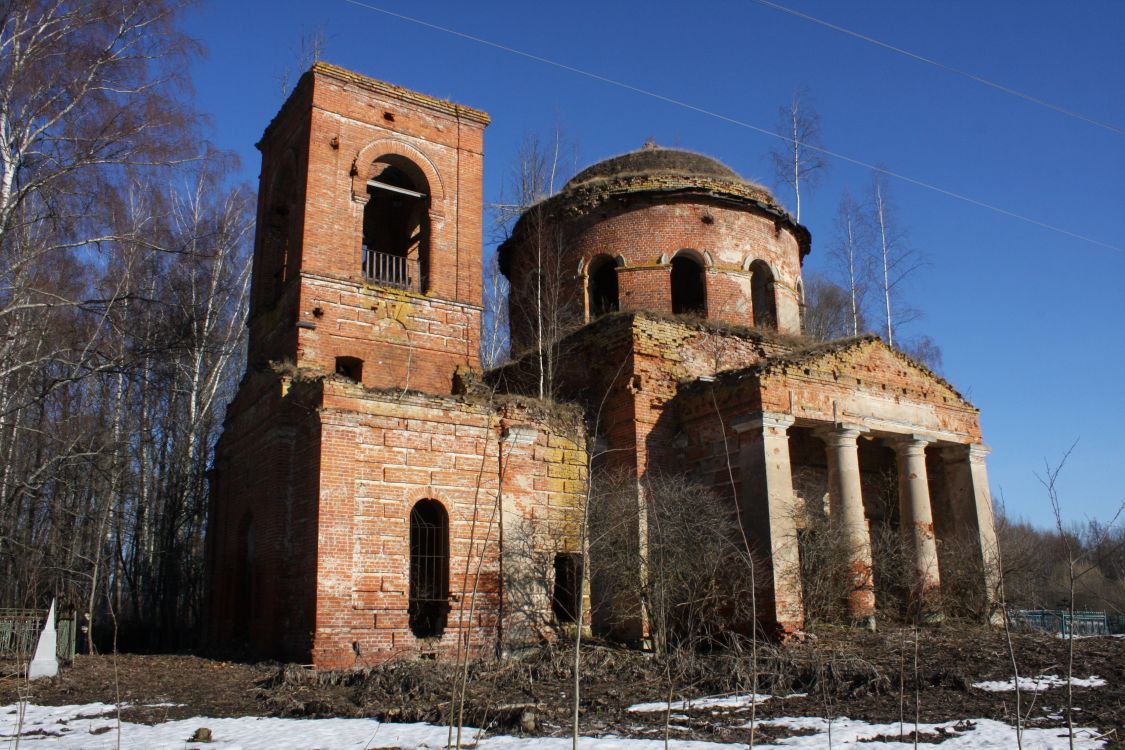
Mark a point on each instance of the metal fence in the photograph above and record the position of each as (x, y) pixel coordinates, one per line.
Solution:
(1116, 624)
(19, 633)
(1062, 621)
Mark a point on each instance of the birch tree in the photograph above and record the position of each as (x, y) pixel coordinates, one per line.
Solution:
(123, 270)
(547, 313)
(828, 310)
(89, 95)
(796, 161)
(850, 255)
(895, 259)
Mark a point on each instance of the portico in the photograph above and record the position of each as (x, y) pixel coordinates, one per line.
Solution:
(905, 458)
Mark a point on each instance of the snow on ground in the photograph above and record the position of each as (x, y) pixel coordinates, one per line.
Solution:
(1037, 684)
(94, 727)
(975, 734)
(701, 704)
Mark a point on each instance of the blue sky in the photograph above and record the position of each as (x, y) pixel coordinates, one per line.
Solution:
(1031, 321)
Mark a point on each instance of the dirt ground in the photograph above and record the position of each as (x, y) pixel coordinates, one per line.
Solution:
(833, 673)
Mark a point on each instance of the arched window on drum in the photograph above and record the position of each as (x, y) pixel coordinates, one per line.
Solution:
(689, 289)
(763, 295)
(601, 286)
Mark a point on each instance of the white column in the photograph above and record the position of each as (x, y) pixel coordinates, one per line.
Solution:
(846, 506)
(769, 513)
(916, 521)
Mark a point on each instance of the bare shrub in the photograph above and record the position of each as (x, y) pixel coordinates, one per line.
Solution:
(963, 593)
(675, 543)
(824, 552)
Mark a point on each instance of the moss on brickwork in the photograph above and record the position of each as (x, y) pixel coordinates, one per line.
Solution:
(560, 417)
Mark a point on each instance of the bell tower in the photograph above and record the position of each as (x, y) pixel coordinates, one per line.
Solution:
(367, 260)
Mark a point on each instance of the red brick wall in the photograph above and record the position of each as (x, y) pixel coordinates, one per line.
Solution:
(266, 470)
(329, 473)
(406, 341)
(333, 128)
(382, 455)
(626, 370)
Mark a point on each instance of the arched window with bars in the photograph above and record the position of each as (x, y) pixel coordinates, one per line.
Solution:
(429, 569)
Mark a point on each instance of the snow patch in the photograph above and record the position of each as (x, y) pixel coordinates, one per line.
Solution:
(701, 704)
(1040, 683)
(972, 734)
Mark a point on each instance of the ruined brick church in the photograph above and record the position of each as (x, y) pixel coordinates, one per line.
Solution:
(371, 485)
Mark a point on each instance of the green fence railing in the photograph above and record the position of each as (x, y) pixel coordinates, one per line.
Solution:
(1062, 621)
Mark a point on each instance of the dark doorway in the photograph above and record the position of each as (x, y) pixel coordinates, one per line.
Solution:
(429, 569)
(689, 294)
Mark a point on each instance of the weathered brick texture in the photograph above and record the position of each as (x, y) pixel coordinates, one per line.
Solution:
(316, 475)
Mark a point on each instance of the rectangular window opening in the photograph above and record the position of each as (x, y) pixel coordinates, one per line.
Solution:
(567, 596)
(350, 367)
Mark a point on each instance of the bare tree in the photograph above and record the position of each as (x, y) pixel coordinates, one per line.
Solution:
(924, 349)
(797, 162)
(690, 546)
(828, 310)
(896, 260)
(494, 320)
(593, 455)
(123, 272)
(308, 51)
(89, 100)
(851, 257)
(546, 309)
(1078, 565)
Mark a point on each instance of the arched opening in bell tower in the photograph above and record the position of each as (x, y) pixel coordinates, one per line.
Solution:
(276, 236)
(396, 225)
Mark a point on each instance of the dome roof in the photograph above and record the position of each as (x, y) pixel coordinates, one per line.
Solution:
(651, 161)
(660, 174)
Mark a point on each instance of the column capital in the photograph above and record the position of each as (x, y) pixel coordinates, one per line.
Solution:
(761, 421)
(972, 452)
(978, 451)
(910, 445)
(841, 433)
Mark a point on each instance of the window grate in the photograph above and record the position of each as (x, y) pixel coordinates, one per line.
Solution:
(429, 569)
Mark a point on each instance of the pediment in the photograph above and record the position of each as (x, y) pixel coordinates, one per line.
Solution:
(865, 362)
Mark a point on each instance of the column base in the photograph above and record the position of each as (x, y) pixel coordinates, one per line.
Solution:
(865, 623)
(931, 618)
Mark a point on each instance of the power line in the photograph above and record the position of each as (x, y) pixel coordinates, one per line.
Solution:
(740, 123)
(948, 68)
